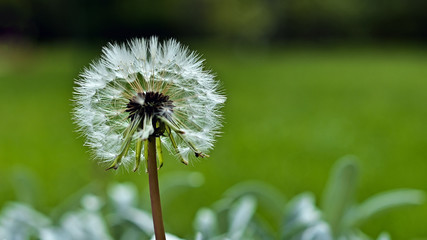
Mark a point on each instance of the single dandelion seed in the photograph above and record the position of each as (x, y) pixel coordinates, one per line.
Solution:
(145, 88)
(145, 95)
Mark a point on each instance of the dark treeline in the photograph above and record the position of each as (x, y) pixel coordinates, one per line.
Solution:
(245, 20)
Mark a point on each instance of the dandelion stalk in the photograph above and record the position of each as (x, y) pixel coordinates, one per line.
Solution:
(156, 207)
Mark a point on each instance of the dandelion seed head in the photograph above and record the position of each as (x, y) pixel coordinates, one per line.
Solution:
(140, 89)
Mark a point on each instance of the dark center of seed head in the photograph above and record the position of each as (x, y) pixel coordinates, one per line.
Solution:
(149, 104)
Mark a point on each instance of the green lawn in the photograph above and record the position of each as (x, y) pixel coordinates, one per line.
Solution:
(290, 114)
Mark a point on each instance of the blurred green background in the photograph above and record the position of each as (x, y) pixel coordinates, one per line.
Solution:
(307, 83)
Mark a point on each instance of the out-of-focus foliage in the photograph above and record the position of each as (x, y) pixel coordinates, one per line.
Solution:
(340, 215)
(338, 218)
(118, 217)
(252, 20)
(235, 216)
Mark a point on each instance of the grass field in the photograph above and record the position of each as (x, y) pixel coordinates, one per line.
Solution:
(291, 113)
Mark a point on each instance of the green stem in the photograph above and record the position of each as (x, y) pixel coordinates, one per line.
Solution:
(153, 182)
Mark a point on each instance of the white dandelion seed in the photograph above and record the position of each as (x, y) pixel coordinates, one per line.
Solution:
(146, 88)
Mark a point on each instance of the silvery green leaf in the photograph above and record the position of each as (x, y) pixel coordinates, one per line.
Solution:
(384, 236)
(91, 202)
(301, 213)
(199, 236)
(19, 221)
(132, 234)
(52, 233)
(168, 237)
(84, 225)
(219, 237)
(383, 202)
(319, 231)
(260, 228)
(222, 205)
(339, 192)
(123, 195)
(140, 218)
(124, 198)
(206, 223)
(267, 196)
(353, 234)
(240, 215)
